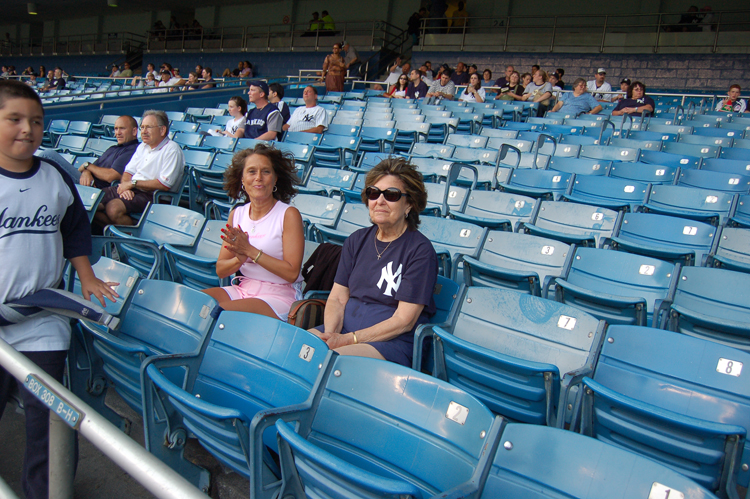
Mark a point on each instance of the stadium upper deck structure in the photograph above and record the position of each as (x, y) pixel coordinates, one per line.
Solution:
(594, 303)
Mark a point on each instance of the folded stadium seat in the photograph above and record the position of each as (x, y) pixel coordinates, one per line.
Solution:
(733, 166)
(732, 251)
(353, 106)
(562, 130)
(407, 133)
(302, 154)
(72, 144)
(521, 355)
(546, 143)
(221, 121)
(672, 239)
(650, 145)
(427, 150)
(618, 287)
(197, 115)
(580, 140)
(377, 139)
(469, 120)
(440, 127)
(740, 216)
(671, 128)
(208, 182)
(406, 434)
(176, 116)
(345, 130)
(608, 192)
(91, 196)
(53, 131)
(82, 128)
(195, 266)
(578, 166)
(443, 197)
(739, 126)
(367, 160)
(547, 120)
(384, 114)
(161, 318)
(160, 224)
(675, 399)
(452, 238)
(717, 181)
(515, 125)
(543, 184)
(742, 143)
(352, 217)
(706, 140)
(224, 387)
(401, 114)
(521, 145)
(496, 210)
(310, 139)
(393, 104)
(465, 141)
(711, 303)
(689, 202)
(517, 261)
(696, 150)
(105, 127)
(188, 139)
(653, 136)
(374, 123)
(708, 120)
(609, 153)
(669, 159)
(498, 132)
(327, 181)
(739, 153)
(216, 143)
(354, 195)
(432, 169)
(183, 126)
(574, 223)
(317, 210)
(336, 151)
(538, 462)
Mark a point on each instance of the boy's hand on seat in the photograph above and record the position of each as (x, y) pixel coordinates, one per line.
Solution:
(99, 288)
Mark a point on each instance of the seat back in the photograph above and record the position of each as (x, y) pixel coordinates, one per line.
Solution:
(733, 250)
(425, 149)
(496, 209)
(416, 434)
(696, 150)
(613, 193)
(538, 183)
(170, 224)
(511, 350)
(310, 139)
(669, 159)
(354, 216)
(466, 140)
(538, 463)
(716, 181)
(675, 399)
(620, 288)
(327, 180)
(689, 202)
(609, 153)
(318, 210)
(711, 303)
(195, 266)
(579, 166)
(734, 166)
(573, 223)
(641, 172)
(452, 237)
(668, 238)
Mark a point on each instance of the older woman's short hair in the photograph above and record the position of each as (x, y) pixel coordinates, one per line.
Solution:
(545, 76)
(413, 184)
(578, 81)
(283, 167)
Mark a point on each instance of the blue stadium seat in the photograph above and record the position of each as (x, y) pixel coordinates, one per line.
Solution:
(91, 196)
(369, 159)
(406, 434)
(516, 261)
(650, 145)
(573, 223)
(734, 166)
(674, 399)
(195, 266)
(327, 181)
(317, 210)
(669, 159)
(303, 154)
(187, 139)
(733, 250)
(377, 139)
(739, 153)
(620, 288)
(712, 304)
(336, 151)
(428, 150)
(521, 355)
(667, 238)
(310, 139)
(453, 139)
(452, 238)
(715, 181)
(72, 144)
(543, 184)
(608, 192)
(688, 202)
(496, 210)
(353, 216)
(183, 126)
(251, 364)
(695, 150)
(609, 153)
(642, 172)
(578, 166)
(721, 141)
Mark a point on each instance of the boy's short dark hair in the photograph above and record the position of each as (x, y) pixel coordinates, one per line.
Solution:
(278, 88)
(14, 89)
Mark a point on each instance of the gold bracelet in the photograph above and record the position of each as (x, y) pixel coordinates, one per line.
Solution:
(355, 337)
(260, 253)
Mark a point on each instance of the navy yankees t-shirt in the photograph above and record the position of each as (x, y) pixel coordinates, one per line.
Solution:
(406, 271)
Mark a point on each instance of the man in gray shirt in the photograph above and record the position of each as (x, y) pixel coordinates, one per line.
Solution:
(443, 88)
(351, 59)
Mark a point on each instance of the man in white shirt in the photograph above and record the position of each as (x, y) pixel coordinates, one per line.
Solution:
(168, 83)
(157, 165)
(311, 118)
(599, 85)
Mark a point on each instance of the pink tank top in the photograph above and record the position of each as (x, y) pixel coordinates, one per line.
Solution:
(265, 234)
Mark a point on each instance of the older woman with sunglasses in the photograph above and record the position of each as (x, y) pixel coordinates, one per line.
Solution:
(384, 284)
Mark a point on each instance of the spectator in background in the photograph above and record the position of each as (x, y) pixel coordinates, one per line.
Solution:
(237, 108)
(443, 88)
(351, 58)
(504, 80)
(636, 103)
(398, 91)
(333, 70)
(148, 81)
(473, 69)
(310, 118)
(534, 69)
(247, 70)
(539, 90)
(437, 15)
(487, 78)
(192, 82)
(56, 80)
(733, 103)
(458, 19)
(150, 68)
(525, 79)
(624, 86)
(599, 85)
(42, 72)
(115, 71)
(126, 71)
(460, 76)
(328, 25)
(29, 71)
(315, 25)
(414, 24)
(208, 78)
(513, 90)
(474, 91)
(417, 88)
(199, 70)
(169, 82)
(560, 72)
(579, 101)
(428, 64)
(265, 121)
(426, 75)
(275, 96)
(554, 80)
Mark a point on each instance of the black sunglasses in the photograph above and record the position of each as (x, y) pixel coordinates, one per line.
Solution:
(391, 194)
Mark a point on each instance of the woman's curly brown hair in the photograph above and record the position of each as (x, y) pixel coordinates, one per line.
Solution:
(283, 167)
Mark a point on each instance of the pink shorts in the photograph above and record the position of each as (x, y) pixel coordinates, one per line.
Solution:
(278, 296)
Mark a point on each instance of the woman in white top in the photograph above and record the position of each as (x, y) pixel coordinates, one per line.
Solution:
(474, 92)
(235, 127)
(398, 91)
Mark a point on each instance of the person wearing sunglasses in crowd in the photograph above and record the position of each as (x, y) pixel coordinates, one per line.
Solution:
(385, 279)
(398, 91)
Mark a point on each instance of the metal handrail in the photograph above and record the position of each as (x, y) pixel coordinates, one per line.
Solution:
(147, 469)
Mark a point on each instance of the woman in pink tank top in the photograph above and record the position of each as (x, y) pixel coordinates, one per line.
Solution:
(263, 239)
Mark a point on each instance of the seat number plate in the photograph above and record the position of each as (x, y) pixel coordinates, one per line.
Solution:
(457, 412)
(659, 491)
(566, 322)
(306, 353)
(730, 367)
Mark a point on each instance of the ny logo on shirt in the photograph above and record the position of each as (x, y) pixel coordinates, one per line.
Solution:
(308, 118)
(393, 281)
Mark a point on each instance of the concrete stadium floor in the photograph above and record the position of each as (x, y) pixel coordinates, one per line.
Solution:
(97, 476)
